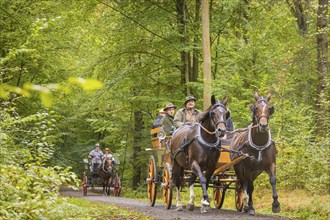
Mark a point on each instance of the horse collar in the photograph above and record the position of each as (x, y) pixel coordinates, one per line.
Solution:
(200, 139)
(256, 147)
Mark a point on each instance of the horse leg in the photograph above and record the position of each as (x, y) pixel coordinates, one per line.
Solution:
(191, 203)
(205, 201)
(275, 205)
(177, 170)
(104, 188)
(245, 200)
(250, 189)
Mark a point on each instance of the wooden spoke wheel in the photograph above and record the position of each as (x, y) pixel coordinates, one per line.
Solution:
(166, 184)
(117, 186)
(84, 185)
(151, 181)
(238, 197)
(218, 197)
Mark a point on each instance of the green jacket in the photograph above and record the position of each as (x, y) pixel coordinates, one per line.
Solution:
(167, 123)
(180, 117)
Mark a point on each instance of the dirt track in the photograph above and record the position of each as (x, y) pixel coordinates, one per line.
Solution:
(159, 212)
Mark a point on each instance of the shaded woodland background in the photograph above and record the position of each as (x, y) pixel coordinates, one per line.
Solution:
(73, 73)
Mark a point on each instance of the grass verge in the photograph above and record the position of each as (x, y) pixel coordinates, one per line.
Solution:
(75, 208)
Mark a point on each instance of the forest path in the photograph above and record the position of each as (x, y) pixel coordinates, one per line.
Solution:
(159, 212)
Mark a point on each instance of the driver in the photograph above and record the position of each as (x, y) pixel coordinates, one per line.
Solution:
(95, 155)
(188, 114)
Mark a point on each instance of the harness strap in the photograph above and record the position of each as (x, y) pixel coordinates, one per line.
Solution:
(250, 143)
(183, 147)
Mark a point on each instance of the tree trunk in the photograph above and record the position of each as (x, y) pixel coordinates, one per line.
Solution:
(206, 54)
(300, 9)
(196, 42)
(322, 99)
(138, 127)
(181, 17)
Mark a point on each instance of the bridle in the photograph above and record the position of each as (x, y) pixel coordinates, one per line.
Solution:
(211, 112)
(257, 119)
(107, 169)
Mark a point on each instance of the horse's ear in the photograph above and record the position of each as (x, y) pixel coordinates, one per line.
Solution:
(256, 95)
(269, 96)
(225, 101)
(213, 101)
(271, 110)
(251, 107)
(228, 114)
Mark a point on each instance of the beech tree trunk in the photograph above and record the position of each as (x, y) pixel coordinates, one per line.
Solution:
(322, 99)
(181, 18)
(206, 54)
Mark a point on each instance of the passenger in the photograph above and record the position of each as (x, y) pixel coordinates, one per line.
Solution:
(167, 121)
(161, 115)
(95, 155)
(188, 114)
(107, 153)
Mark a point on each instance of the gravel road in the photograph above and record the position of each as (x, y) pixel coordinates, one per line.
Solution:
(159, 212)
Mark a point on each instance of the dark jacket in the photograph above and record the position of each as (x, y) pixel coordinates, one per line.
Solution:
(157, 123)
(167, 123)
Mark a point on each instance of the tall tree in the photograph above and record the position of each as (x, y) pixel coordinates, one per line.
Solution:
(181, 19)
(322, 99)
(206, 54)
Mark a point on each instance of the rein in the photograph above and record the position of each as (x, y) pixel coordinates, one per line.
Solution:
(207, 131)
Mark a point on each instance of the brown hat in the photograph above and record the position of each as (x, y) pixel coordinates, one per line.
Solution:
(169, 105)
(106, 149)
(189, 98)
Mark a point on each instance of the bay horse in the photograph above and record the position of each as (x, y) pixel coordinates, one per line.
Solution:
(197, 148)
(257, 142)
(106, 173)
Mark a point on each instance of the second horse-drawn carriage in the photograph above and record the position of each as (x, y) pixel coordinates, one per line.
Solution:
(102, 173)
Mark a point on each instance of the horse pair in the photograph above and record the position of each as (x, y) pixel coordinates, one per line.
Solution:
(197, 148)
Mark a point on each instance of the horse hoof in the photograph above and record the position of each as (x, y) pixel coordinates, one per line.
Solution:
(251, 212)
(245, 209)
(204, 209)
(190, 207)
(179, 208)
(276, 209)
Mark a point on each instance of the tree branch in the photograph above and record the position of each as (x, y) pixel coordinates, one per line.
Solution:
(135, 21)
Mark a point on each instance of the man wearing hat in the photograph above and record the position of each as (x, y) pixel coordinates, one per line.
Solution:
(188, 114)
(95, 155)
(167, 121)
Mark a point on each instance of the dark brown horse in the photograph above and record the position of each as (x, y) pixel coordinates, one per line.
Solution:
(106, 174)
(257, 142)
(197, 148)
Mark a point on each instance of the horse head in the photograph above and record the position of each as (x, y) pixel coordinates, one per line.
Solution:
(261, 111)
(219, 114)
(107, 165)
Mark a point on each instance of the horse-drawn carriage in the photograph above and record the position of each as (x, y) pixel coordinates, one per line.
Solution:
(103, 173)
(201, 155)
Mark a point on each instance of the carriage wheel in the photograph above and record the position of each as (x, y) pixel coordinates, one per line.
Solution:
(117, 186)
(218, 197)
(238, 197)
(166, 184)
(151, 181)
(84, 185)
